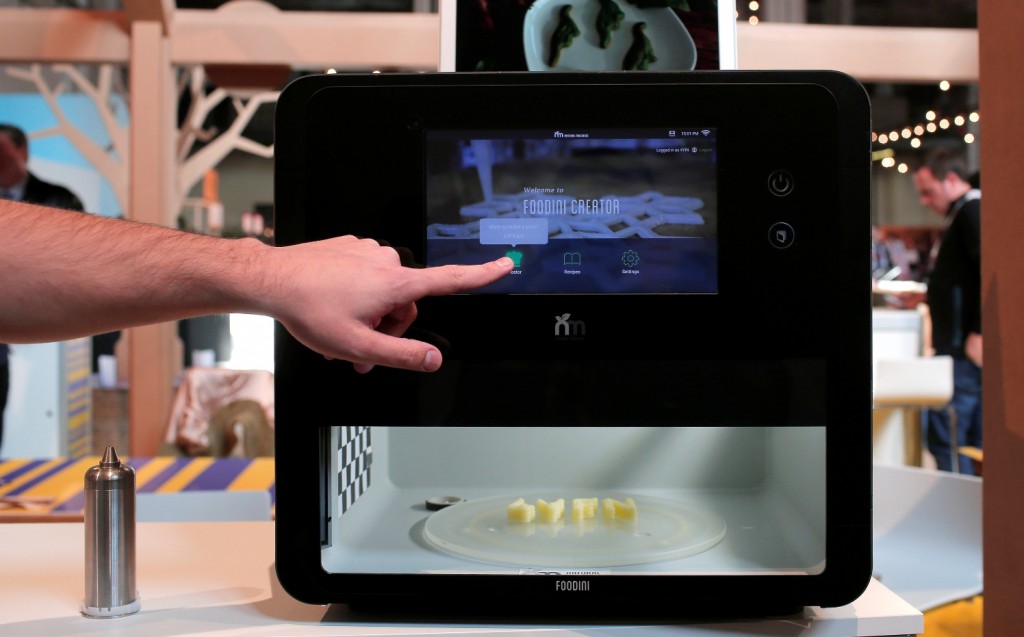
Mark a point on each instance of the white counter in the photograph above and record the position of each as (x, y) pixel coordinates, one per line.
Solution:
(217, 579)
(896, 335)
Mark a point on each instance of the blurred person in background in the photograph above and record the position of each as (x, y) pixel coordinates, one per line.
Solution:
(954, 300)
(18, 184)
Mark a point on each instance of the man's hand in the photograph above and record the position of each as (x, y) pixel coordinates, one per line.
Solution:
(973, 348)
(65, 275)
(351, 299)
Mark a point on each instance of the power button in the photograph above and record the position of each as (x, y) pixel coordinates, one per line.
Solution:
(780, 183)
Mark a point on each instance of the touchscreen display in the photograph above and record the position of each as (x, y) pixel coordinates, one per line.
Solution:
(578, 211)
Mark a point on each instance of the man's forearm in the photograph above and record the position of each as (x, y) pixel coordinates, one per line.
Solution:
(65, 274)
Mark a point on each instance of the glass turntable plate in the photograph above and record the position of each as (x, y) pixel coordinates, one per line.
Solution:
(664, 530)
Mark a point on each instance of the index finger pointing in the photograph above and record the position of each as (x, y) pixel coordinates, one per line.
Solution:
(449, 279)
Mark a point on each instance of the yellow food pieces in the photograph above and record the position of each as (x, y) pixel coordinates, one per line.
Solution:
(584, 508)
(520, 511)
(612, 509)
(551, 511)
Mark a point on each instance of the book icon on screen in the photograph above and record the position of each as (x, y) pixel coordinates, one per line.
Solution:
(572, 258)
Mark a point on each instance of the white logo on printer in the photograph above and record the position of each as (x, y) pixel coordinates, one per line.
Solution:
(565, 326)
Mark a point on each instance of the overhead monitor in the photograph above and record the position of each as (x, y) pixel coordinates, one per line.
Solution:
(587, 35)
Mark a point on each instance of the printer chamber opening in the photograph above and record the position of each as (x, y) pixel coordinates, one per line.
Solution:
(634, 500)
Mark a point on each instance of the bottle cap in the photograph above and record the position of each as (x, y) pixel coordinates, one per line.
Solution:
(110, 474)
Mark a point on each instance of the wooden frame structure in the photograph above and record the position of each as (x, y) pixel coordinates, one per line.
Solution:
(151, 37)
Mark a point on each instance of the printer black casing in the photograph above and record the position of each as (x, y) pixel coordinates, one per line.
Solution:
(781, 340)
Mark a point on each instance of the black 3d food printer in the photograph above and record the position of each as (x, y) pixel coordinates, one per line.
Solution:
(666, 404)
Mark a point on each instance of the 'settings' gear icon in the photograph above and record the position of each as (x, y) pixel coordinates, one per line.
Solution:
(630, 258)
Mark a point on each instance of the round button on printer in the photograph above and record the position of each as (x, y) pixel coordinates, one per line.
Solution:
(780, 183)
(781, 235)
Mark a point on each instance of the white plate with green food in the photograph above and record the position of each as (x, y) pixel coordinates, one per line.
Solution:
(566, 35)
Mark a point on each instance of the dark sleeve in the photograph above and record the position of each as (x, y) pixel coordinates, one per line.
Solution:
(970, 222)
(67, 200)
(44, 193)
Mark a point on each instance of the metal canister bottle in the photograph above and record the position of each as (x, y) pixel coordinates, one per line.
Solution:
(110, 589)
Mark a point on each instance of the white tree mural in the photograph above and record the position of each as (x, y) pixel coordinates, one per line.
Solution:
(198, 148)
(216, 145)
(108, 95)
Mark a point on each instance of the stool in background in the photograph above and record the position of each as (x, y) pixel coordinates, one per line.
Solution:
(229, 396)
(911, 385)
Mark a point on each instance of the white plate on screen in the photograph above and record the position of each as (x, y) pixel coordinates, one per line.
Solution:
(673, 46)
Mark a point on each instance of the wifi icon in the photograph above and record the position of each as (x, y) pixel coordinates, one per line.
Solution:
(705, 132)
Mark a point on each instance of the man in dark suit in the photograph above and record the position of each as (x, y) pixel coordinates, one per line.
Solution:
(954, 300)
(17, 183)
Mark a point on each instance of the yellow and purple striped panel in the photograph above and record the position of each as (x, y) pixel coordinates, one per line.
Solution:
(62, 479)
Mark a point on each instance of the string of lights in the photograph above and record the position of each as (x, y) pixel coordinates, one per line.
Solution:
(754, 7)
(934, 123)
(886, 141)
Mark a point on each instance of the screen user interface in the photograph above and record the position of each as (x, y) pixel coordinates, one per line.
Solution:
(578, 211)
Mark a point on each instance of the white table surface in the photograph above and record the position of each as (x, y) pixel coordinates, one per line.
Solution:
(928, 535)
(217, 579)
